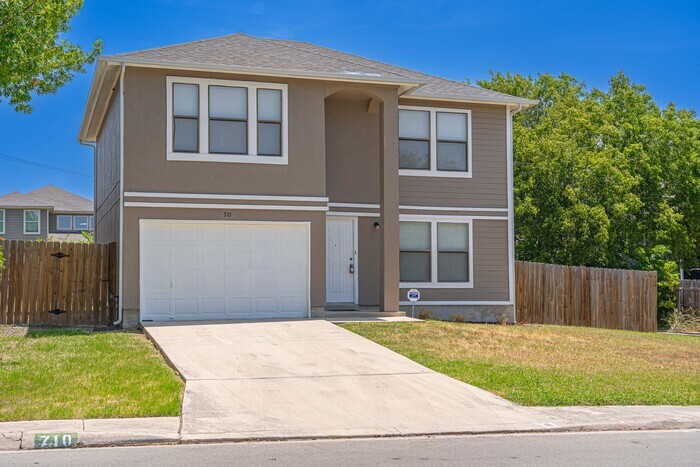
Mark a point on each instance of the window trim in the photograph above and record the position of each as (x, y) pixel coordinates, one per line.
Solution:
(58, 217)
(433, 171)
(87, 219)
(252, 156)
(434, 221)
(24, 222)
(4, 221)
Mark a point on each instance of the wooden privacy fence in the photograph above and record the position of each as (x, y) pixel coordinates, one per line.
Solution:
(689, 293)
(581, 296)
(57, 283)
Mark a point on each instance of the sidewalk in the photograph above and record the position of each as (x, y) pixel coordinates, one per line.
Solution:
(166, 430)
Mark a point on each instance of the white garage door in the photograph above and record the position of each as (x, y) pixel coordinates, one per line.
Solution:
(222, 270)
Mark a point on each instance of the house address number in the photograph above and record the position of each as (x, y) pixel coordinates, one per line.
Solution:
(55, 440)
(228, 214)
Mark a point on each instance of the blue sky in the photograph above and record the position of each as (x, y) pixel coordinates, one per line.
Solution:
(656, 43)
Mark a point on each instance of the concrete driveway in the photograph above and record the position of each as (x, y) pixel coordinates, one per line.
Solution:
(310, 378)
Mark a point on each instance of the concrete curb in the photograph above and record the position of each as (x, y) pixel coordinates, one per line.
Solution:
(149, 431)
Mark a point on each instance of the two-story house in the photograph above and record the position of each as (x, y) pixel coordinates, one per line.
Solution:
(47, 213)
(261, 178)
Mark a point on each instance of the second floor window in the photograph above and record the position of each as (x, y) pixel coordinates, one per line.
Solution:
(227, 121)
(434, 142)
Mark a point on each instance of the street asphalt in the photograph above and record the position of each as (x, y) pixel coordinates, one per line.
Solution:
(640, 448)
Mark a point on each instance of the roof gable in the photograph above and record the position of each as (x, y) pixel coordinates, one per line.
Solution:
(61, 200)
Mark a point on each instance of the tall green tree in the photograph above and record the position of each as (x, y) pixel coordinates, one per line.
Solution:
(34, 58)
(604, 178)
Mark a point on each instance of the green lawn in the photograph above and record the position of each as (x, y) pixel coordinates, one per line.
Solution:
(552, 365)
(62, 374)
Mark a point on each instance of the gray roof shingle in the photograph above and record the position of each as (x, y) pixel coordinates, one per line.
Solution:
(20, 200)
(61, 200)
(50, 197)
(241, 50)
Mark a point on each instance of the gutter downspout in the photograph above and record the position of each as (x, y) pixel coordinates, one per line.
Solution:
(511, 208)
(120, 309)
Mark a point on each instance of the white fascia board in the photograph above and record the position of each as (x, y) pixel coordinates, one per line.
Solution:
(495, 100)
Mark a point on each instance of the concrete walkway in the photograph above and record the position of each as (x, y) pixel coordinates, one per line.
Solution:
(312, 379)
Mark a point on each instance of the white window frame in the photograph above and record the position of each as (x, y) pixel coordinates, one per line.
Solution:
(24, 222)
(58, 217)
(203, 155)
(87, 219)
(434, 221)
(4, 220)
(91, 223)
(434, 172)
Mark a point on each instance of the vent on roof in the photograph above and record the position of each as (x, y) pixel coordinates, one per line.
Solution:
(359, 73)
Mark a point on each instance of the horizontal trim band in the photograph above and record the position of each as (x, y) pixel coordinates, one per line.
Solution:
(456, 302)
(353, 214)
(141, 194)
(354, 205)
(452, 208)
(262, 207)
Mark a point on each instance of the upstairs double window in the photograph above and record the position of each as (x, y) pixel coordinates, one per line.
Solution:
(227, 121)
(434, 142)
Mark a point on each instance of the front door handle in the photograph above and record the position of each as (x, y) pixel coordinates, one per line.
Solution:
(352, 269)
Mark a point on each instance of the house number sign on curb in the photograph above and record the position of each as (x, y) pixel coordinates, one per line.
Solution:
(55, 440)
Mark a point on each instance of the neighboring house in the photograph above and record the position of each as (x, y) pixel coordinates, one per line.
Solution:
(263, 178)
(45, 213)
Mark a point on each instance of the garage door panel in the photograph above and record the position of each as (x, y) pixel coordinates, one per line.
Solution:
(212, 258)
(264, 256)
(185, 307)
(239, 306)
(156, 233)
(185, 232)
(158, 308)
(265, 305)
(156, 258)
(291, 279)
(185, 281)
(239, 281)
(213, 281)
(183, 257)
(213, 307)
(224, 271)
(238, 259)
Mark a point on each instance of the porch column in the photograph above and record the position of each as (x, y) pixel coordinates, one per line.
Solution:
(389, 201)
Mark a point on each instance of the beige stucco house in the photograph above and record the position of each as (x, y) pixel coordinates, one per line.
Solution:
(261, 178)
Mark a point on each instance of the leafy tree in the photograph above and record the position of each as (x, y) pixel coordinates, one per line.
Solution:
(88, 237)
(34, 58)
(604, 178)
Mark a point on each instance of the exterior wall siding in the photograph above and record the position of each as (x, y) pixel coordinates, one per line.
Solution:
(490, 273)
(488, 185)
(107, 173)
(147, 169)
(368, 261)
(352, 152)
(14, 225)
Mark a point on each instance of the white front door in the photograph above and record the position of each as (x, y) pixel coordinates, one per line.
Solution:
(340, 260)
